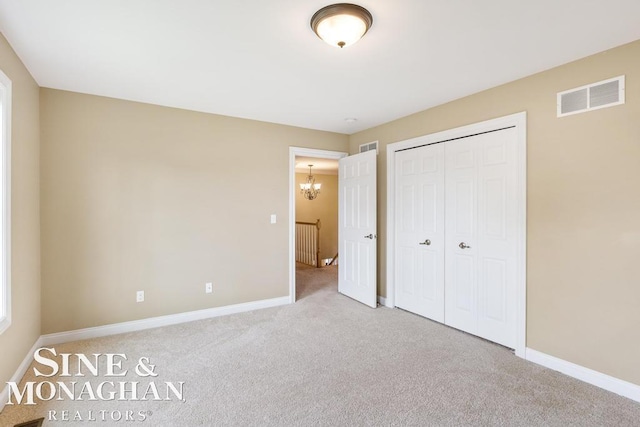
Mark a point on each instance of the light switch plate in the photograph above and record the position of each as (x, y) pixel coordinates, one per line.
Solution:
(273, 218)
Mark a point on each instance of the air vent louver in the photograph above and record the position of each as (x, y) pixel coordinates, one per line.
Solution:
(606, 93)
(369, 146)
(575, 101)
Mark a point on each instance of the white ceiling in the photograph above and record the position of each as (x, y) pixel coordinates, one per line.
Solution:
(260, 60)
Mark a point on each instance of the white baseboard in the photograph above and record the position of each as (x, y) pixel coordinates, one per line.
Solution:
(607, 382)
(136, 325)
(17, 376)
(383, 301)
(156, 322)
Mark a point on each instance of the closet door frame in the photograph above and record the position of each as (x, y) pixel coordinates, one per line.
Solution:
(517, 121)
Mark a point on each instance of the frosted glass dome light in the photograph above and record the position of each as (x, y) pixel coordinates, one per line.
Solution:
(341, 24)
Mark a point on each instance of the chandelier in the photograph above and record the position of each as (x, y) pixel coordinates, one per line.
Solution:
(310, 189)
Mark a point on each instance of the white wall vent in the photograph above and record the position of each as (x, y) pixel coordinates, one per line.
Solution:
(369, 146)
(606, 93)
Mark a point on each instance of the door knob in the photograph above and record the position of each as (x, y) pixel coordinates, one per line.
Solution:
(426, 242)
(463, 245)
(370, 236)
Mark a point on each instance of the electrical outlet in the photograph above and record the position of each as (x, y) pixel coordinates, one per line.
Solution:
(140, 296)
(208, 287)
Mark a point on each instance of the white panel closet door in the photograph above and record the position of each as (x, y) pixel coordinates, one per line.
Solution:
(419, 230)
(481, 235)
(357, 217)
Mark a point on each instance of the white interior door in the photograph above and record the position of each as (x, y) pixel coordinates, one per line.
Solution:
(481, 235)
(357, 227)
(420, 231)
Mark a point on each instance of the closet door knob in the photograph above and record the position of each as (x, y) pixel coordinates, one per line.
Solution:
(463, 245)
(426, 242)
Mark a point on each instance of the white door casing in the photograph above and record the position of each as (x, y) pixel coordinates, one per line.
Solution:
(357, 234)
(419, 231)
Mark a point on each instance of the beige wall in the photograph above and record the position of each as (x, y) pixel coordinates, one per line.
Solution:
(16, 341)
(324, 208)
(142, 197)
(583, 282)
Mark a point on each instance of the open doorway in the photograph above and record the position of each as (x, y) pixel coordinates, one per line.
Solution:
(316, 202)
(313, 243)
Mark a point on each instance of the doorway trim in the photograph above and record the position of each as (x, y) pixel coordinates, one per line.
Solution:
(519, 121)
(302, 152)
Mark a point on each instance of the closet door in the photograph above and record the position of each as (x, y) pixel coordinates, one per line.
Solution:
(480, 249)
(419, 268)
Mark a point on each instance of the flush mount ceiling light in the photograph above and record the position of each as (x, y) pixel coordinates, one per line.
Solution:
(341, 24)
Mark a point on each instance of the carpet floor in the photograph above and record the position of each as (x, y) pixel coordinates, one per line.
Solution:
(330, 361)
